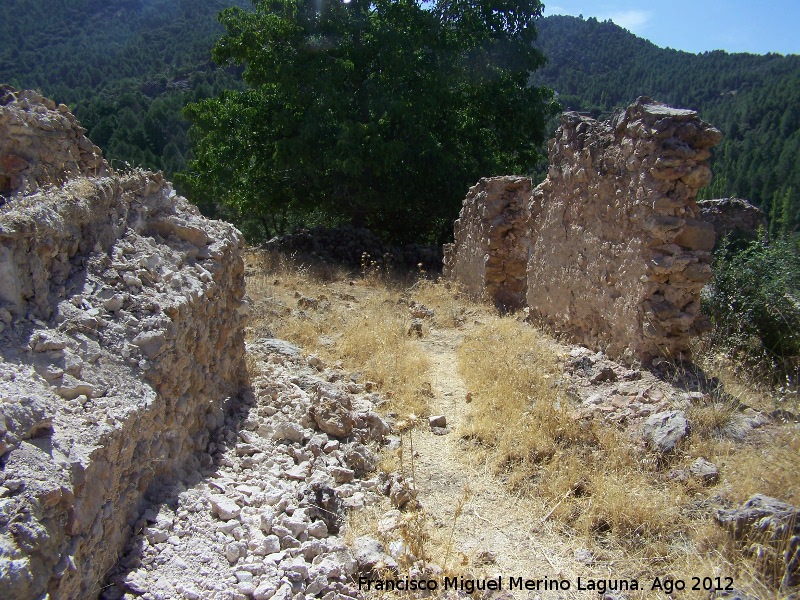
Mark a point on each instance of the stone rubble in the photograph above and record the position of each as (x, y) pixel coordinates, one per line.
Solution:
(260, 517)
(650, 404)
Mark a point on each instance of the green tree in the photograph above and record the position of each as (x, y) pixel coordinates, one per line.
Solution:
(784, 212)
(377, 112)
(754, 301)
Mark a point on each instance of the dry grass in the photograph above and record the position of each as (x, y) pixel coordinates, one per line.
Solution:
(599, 485)
(522, 420)
(741, 381)
(600, 489)
(351, 321)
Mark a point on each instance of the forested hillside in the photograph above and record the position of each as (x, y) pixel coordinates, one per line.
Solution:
(125, 67)
(754, 99)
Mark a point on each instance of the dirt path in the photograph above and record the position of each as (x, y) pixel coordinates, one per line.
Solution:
(502, 533)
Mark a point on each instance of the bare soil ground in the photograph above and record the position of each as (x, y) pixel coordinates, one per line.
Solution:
(497, 532)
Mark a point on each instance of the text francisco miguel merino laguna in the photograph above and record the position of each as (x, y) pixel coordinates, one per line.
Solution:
(500, 582)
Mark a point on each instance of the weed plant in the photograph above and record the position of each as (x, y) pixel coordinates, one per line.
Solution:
(754, 302)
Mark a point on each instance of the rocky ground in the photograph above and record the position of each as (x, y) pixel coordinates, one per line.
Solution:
(287, 502)
(258, 518)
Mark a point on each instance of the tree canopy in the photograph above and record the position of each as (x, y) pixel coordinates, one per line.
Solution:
(377, 112)
(126, 68)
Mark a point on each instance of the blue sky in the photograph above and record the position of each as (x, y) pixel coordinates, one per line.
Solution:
(757, 26)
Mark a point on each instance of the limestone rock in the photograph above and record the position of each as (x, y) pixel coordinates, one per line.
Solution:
(766, 525)
(360, 458)
(761, 511)
(42, 146)
(704, 470)
(438, 421)
(279, 347)
(371, 423)
(665, 429)
(332, 410)
(371, 556)
(286, 430)
(225, 508)
(151, 342)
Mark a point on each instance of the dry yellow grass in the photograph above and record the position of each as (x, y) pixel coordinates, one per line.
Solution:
(523, 421)
(352, 321)
(601, 486)
(601, 490)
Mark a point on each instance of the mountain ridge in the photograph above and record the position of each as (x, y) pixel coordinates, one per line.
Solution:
(754, 99)
(127, 68)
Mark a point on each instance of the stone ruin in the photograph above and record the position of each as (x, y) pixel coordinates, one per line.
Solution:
(615, 249)
(121, 340)
(138, 458)
(733, 216)
(42, 144)
(490, 254)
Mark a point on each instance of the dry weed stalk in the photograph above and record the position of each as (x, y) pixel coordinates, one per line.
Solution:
(456, 514)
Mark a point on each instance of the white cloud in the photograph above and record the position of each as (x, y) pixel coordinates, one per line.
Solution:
(633, 20)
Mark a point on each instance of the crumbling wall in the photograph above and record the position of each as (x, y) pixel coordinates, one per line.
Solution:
(490, 252)
(732, 216)
(121, 340)
(617, 252)
(42, 144)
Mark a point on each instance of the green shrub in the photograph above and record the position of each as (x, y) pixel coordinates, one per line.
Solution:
(754, 302)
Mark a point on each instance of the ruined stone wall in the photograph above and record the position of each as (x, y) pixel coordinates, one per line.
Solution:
(617, 253)
(732, 216)
(42, 144)
(121, 340)
(490, 252)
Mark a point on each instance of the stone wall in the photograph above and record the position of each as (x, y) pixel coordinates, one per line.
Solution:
(42, 144)
(121, 341)
(490, 252)
(617, 253)
(732, 216)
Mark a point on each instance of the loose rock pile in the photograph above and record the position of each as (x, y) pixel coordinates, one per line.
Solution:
(357, 248)
(258, 518)
(652, 408)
